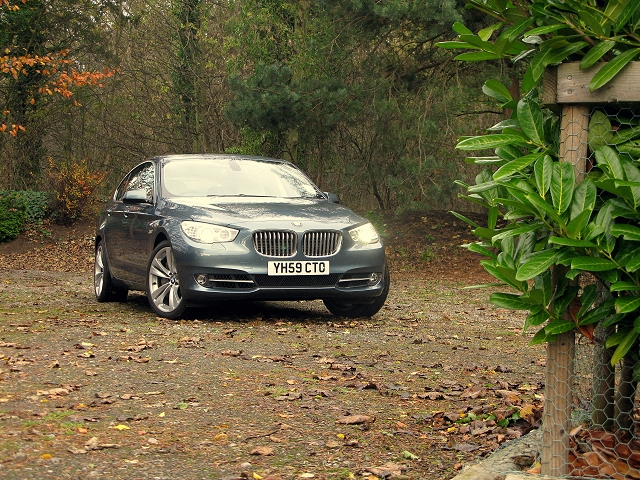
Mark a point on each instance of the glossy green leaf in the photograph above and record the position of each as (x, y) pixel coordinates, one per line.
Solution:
(624, 346)
(587, 298)
(492, 217)
(544, 284)
(633, 182)
(504, 124)
(559, 326)
(612, 68)
(591, 22)
(633, 265)
(531, 120)
(584, 198)
(625, 135)
(535, 318)
(600, 131)
(546, 29)
(513, 32)
(508, 152)
(627, 304)
(488, 141)
(516, 166)
(597, 314)
(543, 207)
(526, 244)
(577, 225)
(612, 12)
(570, 242)
(612, 320)
(486, 33)
(628, 232)
(508, 277)
(514, 232)
(454, 45)
(509, 301)
(495, 89)
(543, 172)
(559, 55)
(624, 287)
(596, 53)
(482, 250)
(562, 184)
(608, 159)
(464, 219)
(536, 263)
(563, 299)
(592, 264)
(615, 338)
(460, 29)
(541, 337)
(536, 69)
(629, 10)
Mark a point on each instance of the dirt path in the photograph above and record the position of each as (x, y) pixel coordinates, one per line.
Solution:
(270, 390)
(264, 390)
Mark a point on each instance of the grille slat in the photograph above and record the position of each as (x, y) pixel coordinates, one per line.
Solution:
(275, 243)
(321, 243)
(283, 243)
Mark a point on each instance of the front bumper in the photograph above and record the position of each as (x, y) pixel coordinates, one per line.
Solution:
(236, 271)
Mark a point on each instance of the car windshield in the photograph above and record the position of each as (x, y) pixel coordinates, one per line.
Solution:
(235, 177)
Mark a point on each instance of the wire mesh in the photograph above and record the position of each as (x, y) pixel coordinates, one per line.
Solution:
(591, 419)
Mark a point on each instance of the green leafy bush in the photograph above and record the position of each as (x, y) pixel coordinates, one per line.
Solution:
(12, 216)
(36, 205)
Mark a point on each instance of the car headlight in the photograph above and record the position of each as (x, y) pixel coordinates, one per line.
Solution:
(364, 234)
(207, 232)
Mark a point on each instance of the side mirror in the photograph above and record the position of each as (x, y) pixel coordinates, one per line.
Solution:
(135, 196)
(332, 197)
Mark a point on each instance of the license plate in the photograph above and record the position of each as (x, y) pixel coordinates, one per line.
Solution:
(298, 268)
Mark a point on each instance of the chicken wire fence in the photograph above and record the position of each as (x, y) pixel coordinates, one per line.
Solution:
(602, 439)
(591, 420)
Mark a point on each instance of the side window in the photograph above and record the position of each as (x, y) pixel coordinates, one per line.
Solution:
(122, 188)
(142, 177)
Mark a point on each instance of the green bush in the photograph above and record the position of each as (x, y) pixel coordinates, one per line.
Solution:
(12, 216)
(36, 205)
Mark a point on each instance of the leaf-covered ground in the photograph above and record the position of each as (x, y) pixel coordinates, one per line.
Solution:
(277, 390)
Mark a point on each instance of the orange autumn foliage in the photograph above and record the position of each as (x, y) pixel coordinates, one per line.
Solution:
(62, 76)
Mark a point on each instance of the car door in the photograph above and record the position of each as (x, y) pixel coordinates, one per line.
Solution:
(137, 221)
(114, 236)
(127, 224)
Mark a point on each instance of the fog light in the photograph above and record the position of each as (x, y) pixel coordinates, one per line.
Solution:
(374, 278)
(202, 279)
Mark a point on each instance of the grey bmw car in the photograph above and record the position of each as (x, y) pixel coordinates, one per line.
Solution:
(194, 229)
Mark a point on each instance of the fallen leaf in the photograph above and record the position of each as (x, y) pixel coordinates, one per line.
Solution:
(262, 451)
(121, 427)
(355, 419)
(386, 470)
(409, 456)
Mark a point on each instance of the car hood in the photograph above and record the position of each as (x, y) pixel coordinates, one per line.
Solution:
(264, 212)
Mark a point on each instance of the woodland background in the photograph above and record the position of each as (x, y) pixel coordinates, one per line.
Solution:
(355, 92)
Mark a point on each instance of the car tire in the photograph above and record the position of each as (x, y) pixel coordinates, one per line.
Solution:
(102, 282)
(163, 284)
(353, 308)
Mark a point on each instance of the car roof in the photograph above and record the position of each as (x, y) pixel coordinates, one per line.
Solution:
(217, 156)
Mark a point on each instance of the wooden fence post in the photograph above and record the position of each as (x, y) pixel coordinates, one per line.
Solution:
(556, 419)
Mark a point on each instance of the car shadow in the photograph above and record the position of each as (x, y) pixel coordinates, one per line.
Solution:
(245, 311)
